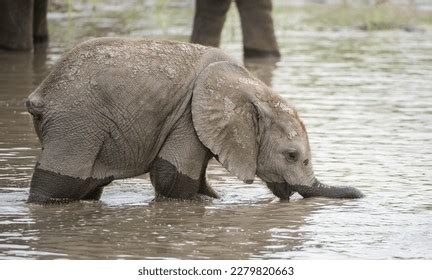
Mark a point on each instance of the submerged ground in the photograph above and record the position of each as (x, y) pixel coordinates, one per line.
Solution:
(365, 97)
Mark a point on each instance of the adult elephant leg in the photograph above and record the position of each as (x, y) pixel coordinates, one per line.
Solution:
(259, 38)
(40, 22)
(208, 21)
(16, 24)
(179, 169)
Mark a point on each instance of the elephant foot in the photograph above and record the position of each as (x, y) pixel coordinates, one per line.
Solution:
(161, 198)
(256, 53)
(40, 39)
(207, 190)
(94, 195)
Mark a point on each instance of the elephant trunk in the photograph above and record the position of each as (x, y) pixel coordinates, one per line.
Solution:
(322, 190)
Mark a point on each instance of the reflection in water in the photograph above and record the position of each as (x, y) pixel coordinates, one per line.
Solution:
(262, 68)
(155, 230)
(17, 141)
(365, 99)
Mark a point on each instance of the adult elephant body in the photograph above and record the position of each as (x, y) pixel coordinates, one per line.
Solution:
(117, 108)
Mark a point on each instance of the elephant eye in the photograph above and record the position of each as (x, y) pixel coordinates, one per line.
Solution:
(292, 155)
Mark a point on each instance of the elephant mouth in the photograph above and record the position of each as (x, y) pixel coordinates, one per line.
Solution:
(281, 190)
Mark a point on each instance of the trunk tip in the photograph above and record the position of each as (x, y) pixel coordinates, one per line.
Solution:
(353, 193)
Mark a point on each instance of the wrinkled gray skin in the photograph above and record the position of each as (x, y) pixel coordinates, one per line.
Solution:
(116, 108)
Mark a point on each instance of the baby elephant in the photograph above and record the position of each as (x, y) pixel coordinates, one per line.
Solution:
(116, 108)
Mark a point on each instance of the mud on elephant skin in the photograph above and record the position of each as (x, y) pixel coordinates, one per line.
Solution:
(116, 108)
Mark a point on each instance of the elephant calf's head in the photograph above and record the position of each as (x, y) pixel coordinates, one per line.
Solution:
(255, 132)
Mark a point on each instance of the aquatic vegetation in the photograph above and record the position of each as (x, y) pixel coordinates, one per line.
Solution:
(385, 16)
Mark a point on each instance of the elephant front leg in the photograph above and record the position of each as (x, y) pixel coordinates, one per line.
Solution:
(259, 38)
(170, 182)
(208, 21)
(40, 21)
(180, 167)
(16, 24)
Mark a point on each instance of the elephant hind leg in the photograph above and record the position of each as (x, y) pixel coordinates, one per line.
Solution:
(94, 195)
(206, 189)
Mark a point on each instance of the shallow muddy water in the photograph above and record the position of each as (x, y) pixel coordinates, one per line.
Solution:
(366, 99)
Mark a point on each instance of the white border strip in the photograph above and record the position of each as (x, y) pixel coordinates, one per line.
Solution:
(250, 270)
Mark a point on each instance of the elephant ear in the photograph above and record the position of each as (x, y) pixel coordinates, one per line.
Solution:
(224, 116)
